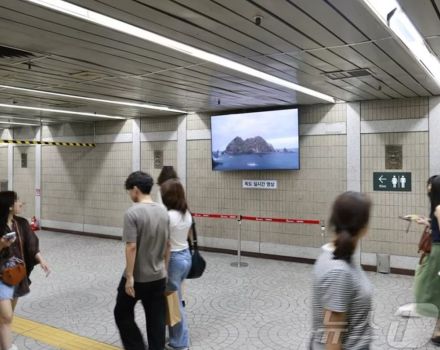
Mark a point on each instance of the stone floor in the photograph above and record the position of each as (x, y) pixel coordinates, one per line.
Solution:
(263, 306)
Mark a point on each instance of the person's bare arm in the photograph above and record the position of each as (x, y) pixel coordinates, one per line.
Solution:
(437, 213)
(167, 254)
(423, 221)
(130, 257)
(335, 325)
(43, 263)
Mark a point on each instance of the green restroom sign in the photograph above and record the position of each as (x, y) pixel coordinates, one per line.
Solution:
(392, 181)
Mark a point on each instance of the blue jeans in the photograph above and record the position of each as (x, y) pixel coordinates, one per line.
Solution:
(6, 292)
(178, 269)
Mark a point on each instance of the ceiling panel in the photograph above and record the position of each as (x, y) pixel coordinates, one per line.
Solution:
(434, 43)
(206, 21)
(159, 61)
(406, 63)
(298, 40)
(394, 61)
(424, 14)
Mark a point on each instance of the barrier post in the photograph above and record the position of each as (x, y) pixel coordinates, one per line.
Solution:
(323, 232)
(239, 263)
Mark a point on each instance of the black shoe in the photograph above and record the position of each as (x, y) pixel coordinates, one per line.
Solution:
(436, 340)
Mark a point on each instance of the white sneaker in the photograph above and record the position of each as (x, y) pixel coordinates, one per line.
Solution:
(13, 347)
(169, 347)
(408, 310)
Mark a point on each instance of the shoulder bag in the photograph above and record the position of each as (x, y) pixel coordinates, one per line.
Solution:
(198, 264)
(425, 244)
(14, 270)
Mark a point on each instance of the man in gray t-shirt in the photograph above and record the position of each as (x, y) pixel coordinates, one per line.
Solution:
(146, 236)
(147, 225)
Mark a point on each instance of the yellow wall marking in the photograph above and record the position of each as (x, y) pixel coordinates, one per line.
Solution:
(47, 143)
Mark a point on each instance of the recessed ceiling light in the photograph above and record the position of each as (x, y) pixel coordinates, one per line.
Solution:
(112, 23)
(61, 111)
(100, 100)
(393, 17)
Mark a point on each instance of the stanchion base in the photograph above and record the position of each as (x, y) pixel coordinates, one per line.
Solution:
(241, 264)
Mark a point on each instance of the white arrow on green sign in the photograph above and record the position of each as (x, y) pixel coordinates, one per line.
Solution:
(393, 182)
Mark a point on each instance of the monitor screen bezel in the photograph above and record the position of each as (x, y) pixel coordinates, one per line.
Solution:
(244, 112)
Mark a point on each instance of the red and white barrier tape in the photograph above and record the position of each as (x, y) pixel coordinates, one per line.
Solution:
(216, 216)
(256, 218)
(279, 220)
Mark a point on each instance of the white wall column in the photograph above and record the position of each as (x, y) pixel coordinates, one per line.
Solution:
(136, 148)
(434, 135)
(354, 157)
(354, 146)
(38, 167)
(181, 148)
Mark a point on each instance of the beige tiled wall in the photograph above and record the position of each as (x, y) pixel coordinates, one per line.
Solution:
(159, 124)
(63, 183)
(25, 133)
(304, 194)
(198, 121)
(68, 130)
(412, 108)
(113, 127)
(5, 134)
(24, 178)
(387, 233)
(86, 185)
(105, 170)
(325, 113)
(169, 149)
(3, 163)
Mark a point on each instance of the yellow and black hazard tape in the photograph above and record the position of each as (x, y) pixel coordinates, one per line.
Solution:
(48, 143)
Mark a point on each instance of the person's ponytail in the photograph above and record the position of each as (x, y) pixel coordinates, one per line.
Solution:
(350, 216)
(345, 246)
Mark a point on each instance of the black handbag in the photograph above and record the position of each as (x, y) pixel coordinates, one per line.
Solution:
(198, 264)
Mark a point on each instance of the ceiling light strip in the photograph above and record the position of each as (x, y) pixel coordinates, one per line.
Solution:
(17, 123)
(100, 100)
(398, 23)
(12, 117)
(105, 21)
(61, 111)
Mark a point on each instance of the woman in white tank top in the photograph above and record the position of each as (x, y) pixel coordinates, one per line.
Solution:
(173, 197)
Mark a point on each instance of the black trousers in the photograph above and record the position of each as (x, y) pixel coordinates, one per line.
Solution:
(151, 294)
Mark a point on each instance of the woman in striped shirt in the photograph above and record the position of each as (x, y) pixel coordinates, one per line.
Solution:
(342, 293)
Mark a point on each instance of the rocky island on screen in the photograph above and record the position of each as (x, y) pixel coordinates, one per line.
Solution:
(256, 141)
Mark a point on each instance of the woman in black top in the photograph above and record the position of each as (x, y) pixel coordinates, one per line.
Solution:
(25, 247)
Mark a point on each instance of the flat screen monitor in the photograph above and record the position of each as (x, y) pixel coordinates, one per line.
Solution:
(266, 140)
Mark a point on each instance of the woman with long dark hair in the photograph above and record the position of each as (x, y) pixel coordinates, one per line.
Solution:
(427, 281)
(167, 173)
(7, 203)
(342, 293)
(173, 196)
(17, 242)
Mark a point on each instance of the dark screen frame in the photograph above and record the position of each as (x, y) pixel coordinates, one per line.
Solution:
(246, 111)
